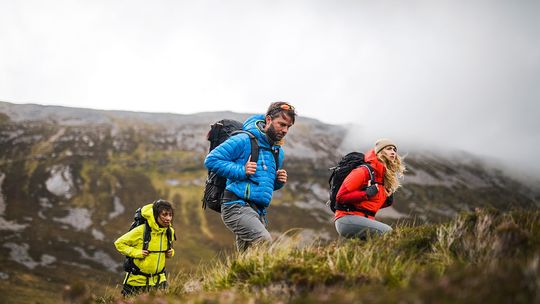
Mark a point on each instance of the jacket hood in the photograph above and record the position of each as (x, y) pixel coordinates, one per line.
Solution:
(376, 164)
(255, 125)
(148, 212)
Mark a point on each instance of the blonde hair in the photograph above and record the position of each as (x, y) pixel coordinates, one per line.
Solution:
(394, 171)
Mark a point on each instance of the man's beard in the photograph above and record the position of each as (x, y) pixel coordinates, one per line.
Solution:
(273, 135)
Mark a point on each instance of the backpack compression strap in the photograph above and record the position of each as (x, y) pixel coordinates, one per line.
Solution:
(214, 132)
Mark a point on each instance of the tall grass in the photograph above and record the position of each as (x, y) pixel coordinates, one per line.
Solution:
(391, 260)
(481, 256)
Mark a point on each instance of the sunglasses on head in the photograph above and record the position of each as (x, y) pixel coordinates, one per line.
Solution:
(286, 107)
(278, 109)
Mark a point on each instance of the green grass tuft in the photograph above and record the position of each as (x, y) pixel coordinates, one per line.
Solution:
(483, 256)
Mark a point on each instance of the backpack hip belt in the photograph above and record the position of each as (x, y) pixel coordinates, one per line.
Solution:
(351, 208)
(229, 196)
(148, 275)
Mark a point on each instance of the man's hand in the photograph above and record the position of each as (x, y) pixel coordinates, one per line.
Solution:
(145, 252)
(169, 253)
(282, 175)
(251, 167)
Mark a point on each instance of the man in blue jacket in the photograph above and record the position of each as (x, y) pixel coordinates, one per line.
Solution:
(250, 185)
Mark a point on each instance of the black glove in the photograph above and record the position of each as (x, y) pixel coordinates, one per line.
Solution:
(372, 190)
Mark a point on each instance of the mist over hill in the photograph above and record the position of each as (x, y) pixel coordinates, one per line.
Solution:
(70, 180)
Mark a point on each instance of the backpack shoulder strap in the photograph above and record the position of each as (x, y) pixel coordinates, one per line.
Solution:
(275, 152)
(146, 236)
(169, 238)
(254, 144)
(254, 148)
(370, 171)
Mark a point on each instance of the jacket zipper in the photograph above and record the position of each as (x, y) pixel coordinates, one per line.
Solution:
(247, 192)
(159, 253)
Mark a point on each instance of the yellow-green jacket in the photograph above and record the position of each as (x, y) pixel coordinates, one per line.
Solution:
(131, 244)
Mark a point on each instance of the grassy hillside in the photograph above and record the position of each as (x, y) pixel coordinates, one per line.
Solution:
(70, 180)
(484, 256)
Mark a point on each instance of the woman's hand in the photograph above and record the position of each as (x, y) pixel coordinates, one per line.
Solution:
(371, 190)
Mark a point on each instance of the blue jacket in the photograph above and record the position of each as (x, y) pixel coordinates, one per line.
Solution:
(229, 160)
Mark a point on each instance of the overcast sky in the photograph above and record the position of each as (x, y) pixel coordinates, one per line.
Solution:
(461, 74)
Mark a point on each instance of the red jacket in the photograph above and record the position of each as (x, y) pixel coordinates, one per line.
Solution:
(351, 191)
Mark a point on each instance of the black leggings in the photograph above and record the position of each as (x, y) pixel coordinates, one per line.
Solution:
(129, 290)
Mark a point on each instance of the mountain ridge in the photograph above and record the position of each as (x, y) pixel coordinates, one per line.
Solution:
(33, 111)
(68, 188)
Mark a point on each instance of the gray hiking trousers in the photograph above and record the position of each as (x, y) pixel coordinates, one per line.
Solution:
(354, 226)
(246, 224)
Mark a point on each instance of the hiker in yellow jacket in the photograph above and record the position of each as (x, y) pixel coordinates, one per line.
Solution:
(145, 263)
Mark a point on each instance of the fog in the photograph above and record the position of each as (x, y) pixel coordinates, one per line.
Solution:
(454, 74)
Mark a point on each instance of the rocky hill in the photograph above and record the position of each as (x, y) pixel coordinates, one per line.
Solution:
(70, 180)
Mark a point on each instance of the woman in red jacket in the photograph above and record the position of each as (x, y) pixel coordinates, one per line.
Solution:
(360, 199)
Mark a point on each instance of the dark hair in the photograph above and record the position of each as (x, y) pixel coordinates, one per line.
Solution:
(161, 205)
(281, 107)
